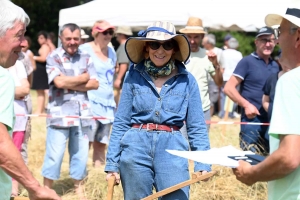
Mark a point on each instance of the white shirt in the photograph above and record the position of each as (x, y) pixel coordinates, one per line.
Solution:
(229, 60)
(201, 68)
(18, 73)
(218, 52)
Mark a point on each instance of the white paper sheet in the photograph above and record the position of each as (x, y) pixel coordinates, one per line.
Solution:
(214, 156)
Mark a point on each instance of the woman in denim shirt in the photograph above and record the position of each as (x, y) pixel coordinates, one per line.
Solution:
(158, 95)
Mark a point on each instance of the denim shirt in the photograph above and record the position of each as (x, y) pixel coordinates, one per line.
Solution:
(140, 103)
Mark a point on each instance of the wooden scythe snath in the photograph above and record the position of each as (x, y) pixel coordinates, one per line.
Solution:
(196, 177)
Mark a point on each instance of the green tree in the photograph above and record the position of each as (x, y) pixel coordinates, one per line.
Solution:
(246, 41)
(44, 15)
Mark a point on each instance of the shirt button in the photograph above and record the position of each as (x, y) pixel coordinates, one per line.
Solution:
(159, 99)
(156, 113)
(166, 85)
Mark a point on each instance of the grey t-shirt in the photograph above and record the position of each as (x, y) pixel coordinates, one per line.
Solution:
(121, 55)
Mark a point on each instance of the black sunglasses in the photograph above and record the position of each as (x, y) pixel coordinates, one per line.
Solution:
(110, 32)
(166, 45)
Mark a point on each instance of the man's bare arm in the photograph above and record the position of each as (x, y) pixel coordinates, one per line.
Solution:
(279, 164)
(122, 71)
(12, 163)
(231, 91)
(266, 102)
(92, 84)
(282, 162)
(218, 77)
(69, 82)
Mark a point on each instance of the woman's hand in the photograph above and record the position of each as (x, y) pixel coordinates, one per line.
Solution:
(202, 173)
(115, 174)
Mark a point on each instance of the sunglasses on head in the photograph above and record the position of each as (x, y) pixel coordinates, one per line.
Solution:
(169, 45)
(109, 31)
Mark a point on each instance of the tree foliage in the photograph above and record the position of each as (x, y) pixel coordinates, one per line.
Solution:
(44, 15)
(246, 41)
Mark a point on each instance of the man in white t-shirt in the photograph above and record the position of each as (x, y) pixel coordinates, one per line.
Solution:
(229, 59)
(282, 167)
(202, 64)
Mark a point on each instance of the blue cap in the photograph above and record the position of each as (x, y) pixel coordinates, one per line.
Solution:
(227, 37)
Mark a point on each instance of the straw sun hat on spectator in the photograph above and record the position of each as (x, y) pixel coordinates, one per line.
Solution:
(157, 31)
(193, 26)
(126, 30)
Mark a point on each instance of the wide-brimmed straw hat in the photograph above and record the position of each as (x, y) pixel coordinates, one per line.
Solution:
(291, 14)
(157, 31)
(194, 25)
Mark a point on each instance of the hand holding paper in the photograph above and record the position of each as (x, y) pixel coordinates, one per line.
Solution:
(217, 156)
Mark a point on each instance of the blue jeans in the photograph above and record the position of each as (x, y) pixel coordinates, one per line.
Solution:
(144, 163)
(254, 137)
(55, 147)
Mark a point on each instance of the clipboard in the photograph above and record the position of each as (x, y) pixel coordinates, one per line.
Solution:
(253, 159)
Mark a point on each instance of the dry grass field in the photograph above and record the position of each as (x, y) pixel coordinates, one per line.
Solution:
(223, 186)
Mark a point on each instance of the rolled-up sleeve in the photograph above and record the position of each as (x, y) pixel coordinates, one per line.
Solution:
(196, 127)
(53, 67)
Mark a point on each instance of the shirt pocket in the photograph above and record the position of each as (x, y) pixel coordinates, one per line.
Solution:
(175, 101)
(143, 100)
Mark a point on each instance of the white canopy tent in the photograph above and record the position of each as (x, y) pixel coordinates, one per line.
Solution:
(242, 15)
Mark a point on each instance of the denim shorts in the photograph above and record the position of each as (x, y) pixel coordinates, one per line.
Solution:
(99, 132)
(55, 147)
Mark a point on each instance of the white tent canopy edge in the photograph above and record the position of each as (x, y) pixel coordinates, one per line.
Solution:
(241, 15)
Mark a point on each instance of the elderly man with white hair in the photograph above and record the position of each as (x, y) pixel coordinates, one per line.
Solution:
(13, 22)
(229, 60)
(209, 43)
(281, 168)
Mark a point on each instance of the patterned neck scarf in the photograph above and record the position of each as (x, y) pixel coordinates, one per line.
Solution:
(157, 72)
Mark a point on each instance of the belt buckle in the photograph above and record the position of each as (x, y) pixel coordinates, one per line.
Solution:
(156, 127)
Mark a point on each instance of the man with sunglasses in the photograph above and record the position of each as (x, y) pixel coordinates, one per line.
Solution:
(281, 169)
(201, 64)
(251, 74)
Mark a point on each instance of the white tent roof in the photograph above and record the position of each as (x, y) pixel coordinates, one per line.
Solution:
(246, 15)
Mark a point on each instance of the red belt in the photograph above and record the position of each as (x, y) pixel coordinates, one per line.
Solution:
(156, 127)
